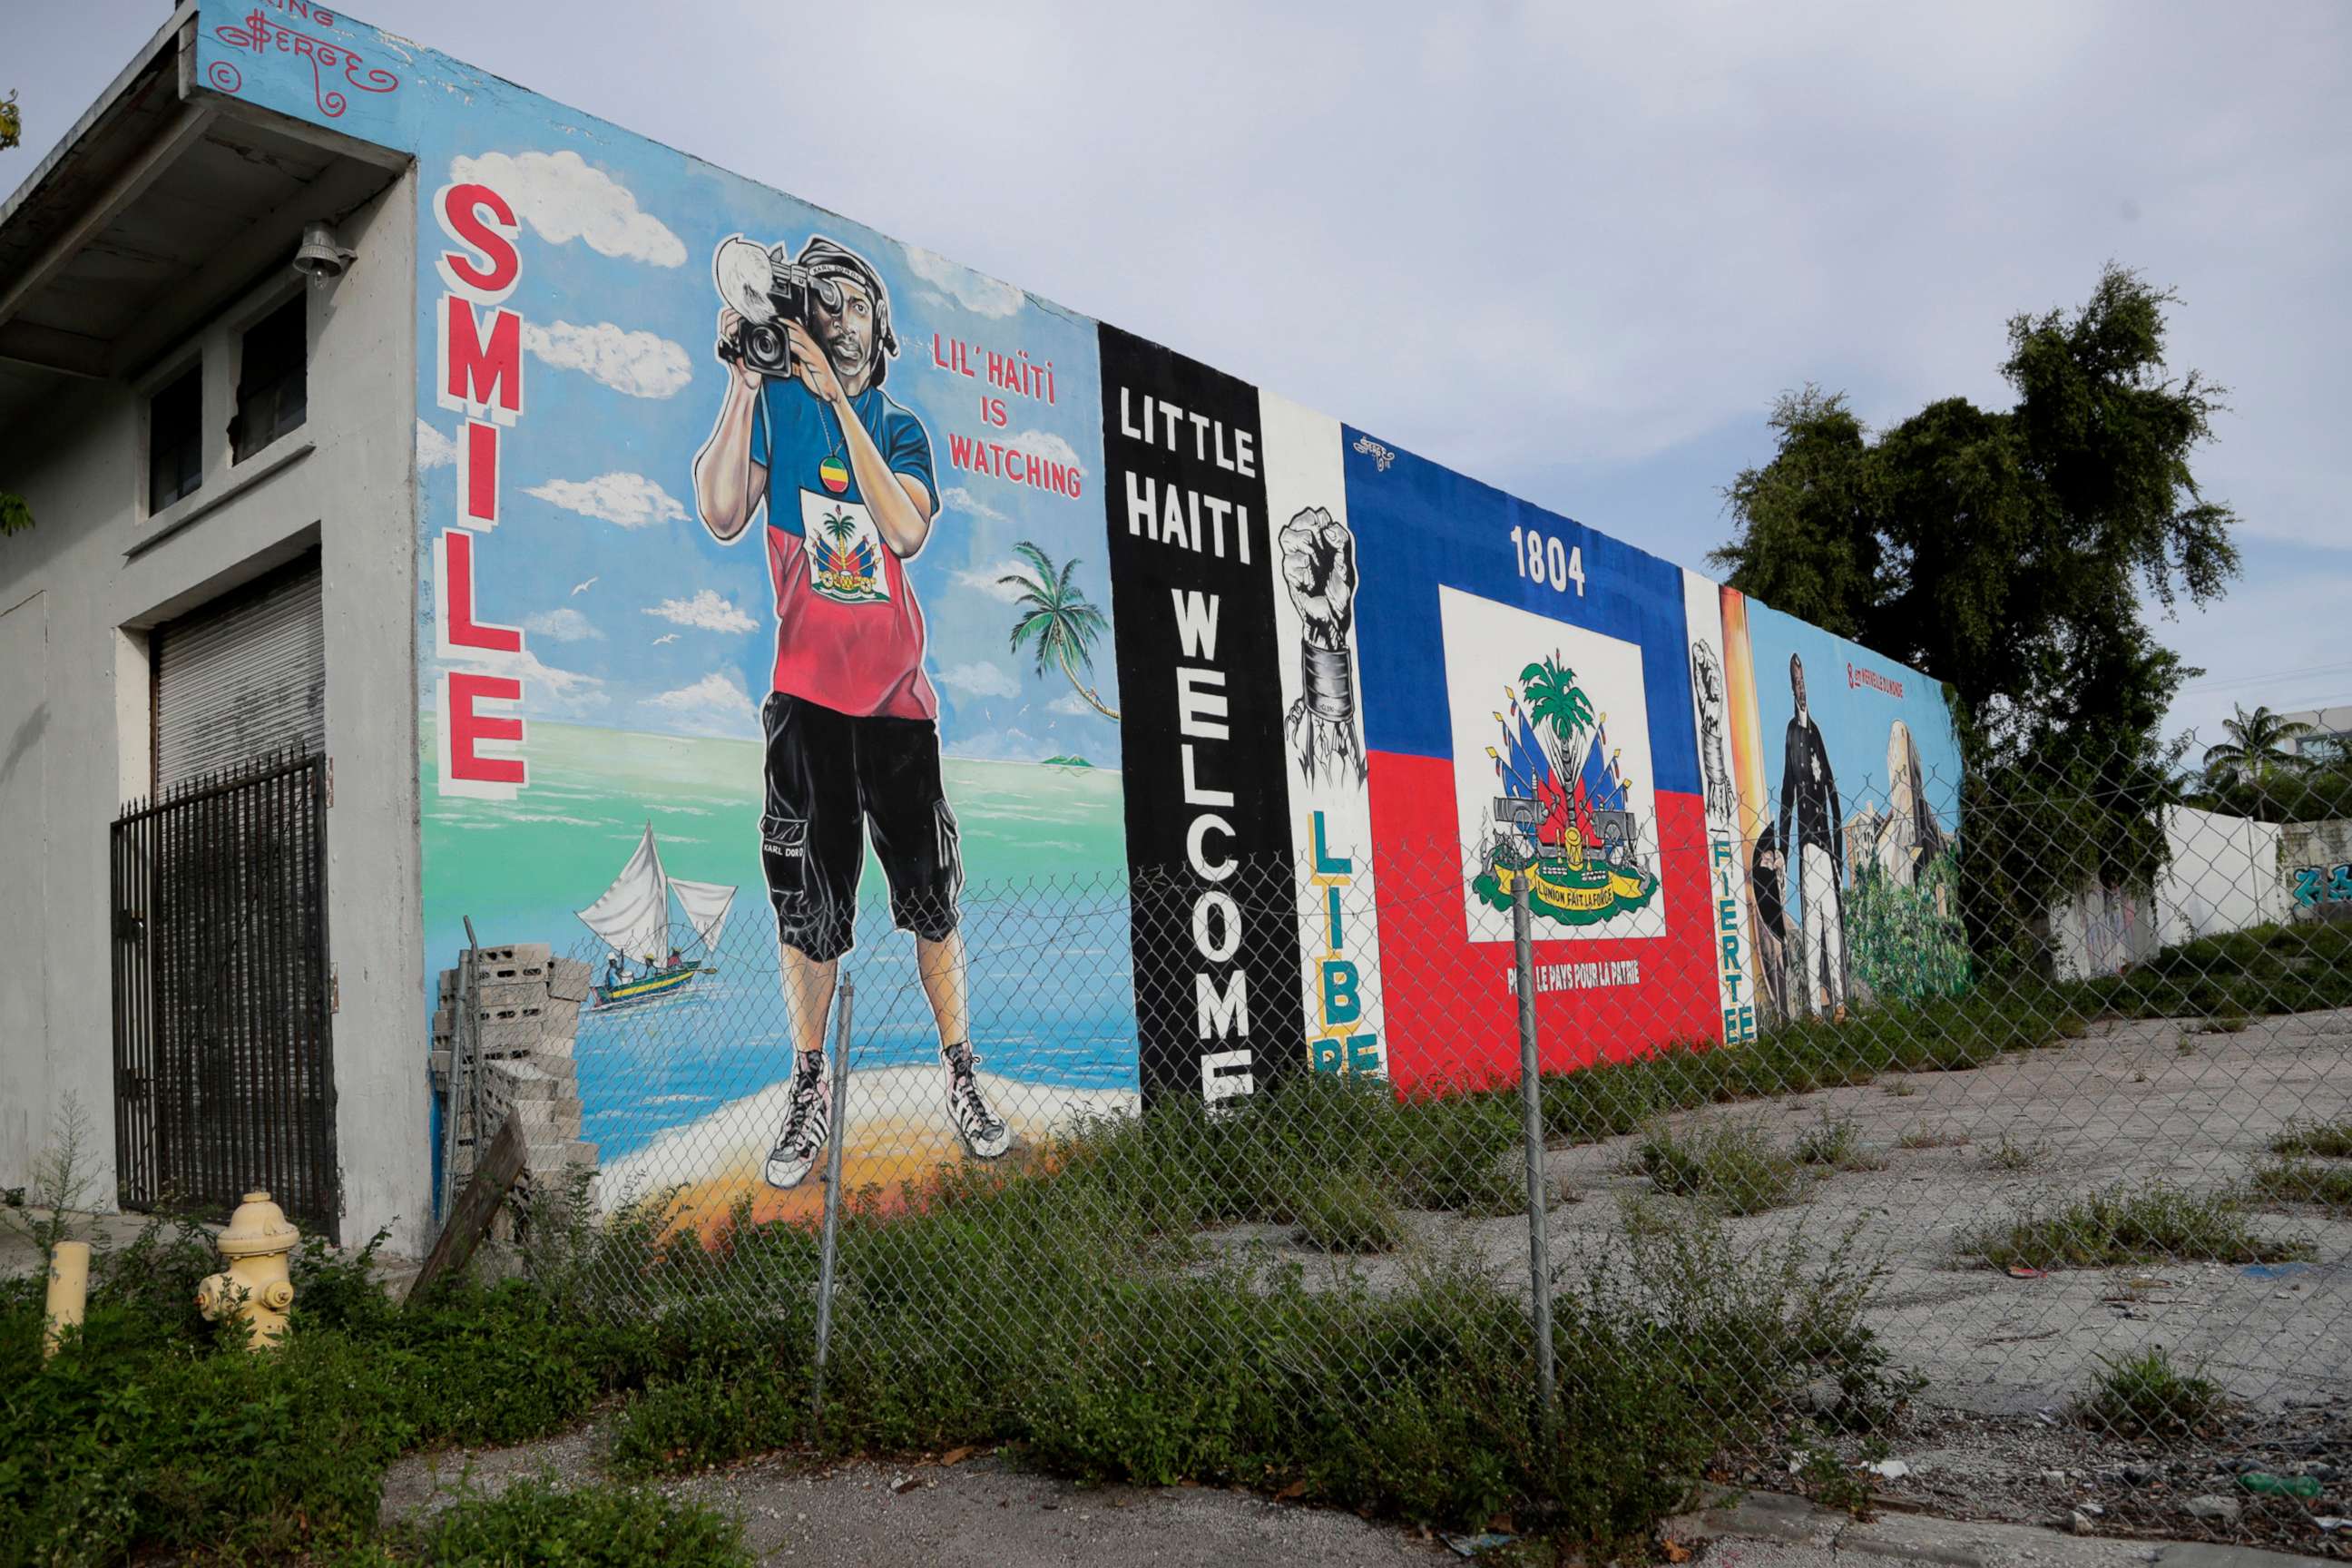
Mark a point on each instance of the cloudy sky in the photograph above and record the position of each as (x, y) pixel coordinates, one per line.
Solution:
(1574, 250)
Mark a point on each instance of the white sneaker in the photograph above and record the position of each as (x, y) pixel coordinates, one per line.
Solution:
(984, 1134)
(807, 1124)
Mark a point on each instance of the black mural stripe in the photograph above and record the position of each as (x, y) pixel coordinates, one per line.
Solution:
(1216, 940)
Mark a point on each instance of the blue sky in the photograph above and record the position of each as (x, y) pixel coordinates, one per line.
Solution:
(1572, 251)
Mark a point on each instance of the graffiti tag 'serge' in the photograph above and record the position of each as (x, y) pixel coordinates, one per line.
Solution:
(259, 33)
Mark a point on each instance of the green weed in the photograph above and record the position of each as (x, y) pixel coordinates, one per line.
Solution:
(2146, 1396)
(2296, 1181)
(1730, 1165)
(2009, 1154)
(2158, 1223)
(1348, 1212)
(536, 1524)
(2331, 1140)
(1836, 1143)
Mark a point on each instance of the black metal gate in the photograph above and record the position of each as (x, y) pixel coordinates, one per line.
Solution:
(223, 1070)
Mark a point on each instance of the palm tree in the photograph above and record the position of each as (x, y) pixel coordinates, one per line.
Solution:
(1554, 698)
(2256, 748)
(1056, 617)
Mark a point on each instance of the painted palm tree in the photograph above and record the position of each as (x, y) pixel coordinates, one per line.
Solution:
(1057, 620)
(1554, 698)
(2256, 749)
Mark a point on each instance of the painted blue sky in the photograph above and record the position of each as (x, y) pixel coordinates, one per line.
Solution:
(1599, 242)
(672, 630)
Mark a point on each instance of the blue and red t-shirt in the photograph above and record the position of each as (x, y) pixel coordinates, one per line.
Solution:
(849, 634)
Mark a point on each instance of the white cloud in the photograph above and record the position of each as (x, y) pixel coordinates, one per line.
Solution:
(703, 612)
(564, 198)
(561, 625)
(546, 689)
(1070, 705)
(1045, 444)
(961, 499)
(631, 500)
(433, 450)
(980, 679)
(716, 704)
(990, 580)
(982, 296)
(643, 365)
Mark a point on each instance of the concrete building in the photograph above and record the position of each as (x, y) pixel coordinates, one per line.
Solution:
(2330, 739)
(216, 454)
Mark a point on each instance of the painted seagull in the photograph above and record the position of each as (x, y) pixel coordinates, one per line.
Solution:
(579, 588)
(666, 636)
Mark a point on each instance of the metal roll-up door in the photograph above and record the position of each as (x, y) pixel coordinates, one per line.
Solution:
(244, 676)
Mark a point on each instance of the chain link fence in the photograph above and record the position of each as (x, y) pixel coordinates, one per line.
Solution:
(2023, 1188)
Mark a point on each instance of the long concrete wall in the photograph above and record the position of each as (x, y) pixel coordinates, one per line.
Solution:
(78, 594)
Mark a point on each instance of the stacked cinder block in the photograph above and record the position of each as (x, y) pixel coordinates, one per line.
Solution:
(525, 1012)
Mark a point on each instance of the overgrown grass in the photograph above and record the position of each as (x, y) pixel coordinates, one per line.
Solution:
(1733, 1166)
(2157, 1222)
(2306, 1181)
(1067, 1303)
(536, 1524)
(2330, 1139)
(2146, 1395)
(2293, 968)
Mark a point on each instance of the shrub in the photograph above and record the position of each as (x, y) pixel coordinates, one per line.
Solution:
(1348, 1212)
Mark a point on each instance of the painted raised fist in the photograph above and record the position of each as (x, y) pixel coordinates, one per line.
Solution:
(1319, 567)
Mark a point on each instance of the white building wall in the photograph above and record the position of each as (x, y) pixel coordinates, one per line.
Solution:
(84, 585)
(2224, 876)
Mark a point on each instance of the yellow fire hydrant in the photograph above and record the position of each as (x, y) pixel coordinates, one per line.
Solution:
(256, 1286)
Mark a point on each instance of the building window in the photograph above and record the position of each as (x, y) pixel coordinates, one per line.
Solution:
(175, 439)
(272, 384)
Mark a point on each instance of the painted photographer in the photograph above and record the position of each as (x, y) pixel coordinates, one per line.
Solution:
(852, 720)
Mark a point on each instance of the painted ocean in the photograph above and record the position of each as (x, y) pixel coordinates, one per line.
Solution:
(1044, 921)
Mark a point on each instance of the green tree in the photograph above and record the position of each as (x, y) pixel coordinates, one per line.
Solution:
(1056, 620)
(2005, 552)
(2256, 753)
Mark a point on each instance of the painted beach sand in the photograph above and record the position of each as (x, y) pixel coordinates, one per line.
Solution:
(675, 1092)
(897, 1133)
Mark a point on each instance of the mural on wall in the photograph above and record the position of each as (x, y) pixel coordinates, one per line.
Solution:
(1853, 860)
(1318, 577)
(760, 553)
(1729, 915)
(1563, 753)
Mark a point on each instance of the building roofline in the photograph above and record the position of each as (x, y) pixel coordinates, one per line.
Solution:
(70, 147)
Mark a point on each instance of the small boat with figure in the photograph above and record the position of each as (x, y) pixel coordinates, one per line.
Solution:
(643, 961)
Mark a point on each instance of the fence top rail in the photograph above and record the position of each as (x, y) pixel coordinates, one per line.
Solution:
(240, 776)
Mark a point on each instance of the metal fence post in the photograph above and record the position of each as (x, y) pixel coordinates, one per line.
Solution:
(828, 1247)
(1538, 1189)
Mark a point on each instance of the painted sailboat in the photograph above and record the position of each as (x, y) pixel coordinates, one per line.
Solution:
(633, 920)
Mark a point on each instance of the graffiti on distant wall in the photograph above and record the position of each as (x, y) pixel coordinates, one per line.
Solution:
(819, 565)
(2317, 885)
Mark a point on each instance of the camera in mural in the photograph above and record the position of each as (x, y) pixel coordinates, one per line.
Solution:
(769, 290)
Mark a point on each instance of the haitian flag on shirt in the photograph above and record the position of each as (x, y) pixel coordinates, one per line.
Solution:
(849, 634)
